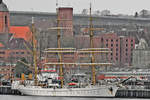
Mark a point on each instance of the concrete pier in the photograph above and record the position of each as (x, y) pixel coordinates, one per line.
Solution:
(133, 93)
(6, 90)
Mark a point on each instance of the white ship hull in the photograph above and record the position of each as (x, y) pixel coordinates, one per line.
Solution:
(101, 91)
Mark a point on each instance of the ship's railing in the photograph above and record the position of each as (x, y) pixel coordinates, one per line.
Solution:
(81, 64)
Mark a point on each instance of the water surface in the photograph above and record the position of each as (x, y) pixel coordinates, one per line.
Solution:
(10, 97)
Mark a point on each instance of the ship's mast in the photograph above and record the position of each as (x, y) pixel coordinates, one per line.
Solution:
(34, 53)
(59, 46)
(60, 51)
(92, 46)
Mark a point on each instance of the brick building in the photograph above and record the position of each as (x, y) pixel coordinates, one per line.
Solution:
(7, 71)
(127, 45)
(4, 18)
(120, 46)
(12, 47)
(65, 14)
(12, 39)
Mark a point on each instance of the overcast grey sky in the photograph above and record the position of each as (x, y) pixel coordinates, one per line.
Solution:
(115, 6)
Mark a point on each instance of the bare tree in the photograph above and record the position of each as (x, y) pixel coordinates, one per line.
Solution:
(97, 12)
(105, 12)
(85, 11)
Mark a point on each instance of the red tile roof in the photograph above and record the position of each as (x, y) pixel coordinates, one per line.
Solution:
(21, 32)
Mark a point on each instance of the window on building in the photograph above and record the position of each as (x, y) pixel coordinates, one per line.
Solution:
(117, 58)
(126, 49)
(131, 40)
(6, 21)
(126, 45)
(111, 49)
(126, 40)
(111, 45)
(116, 49)
(2, 52)
(22, 52)
(116, 54)
(111, 40)
(116, 40)
(17, 52)
(111, 54)
(107, 40)
(102, 39)
(106, 45)
(116, 45)
(131, 45)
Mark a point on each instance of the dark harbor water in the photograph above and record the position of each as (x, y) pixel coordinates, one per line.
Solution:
(9, 97)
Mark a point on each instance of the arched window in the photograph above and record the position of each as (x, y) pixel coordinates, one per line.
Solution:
(6, 21)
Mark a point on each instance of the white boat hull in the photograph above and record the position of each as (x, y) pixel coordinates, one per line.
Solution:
(101, 91)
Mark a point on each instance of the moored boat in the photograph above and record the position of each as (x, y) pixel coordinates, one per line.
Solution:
(80, 89)
(89, 91)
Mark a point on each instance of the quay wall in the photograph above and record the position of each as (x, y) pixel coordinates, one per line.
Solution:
(6, 90)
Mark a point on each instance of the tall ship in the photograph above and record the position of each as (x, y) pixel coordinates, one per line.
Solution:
(79, 85)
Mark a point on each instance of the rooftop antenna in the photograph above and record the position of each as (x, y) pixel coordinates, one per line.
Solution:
(56, 3)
